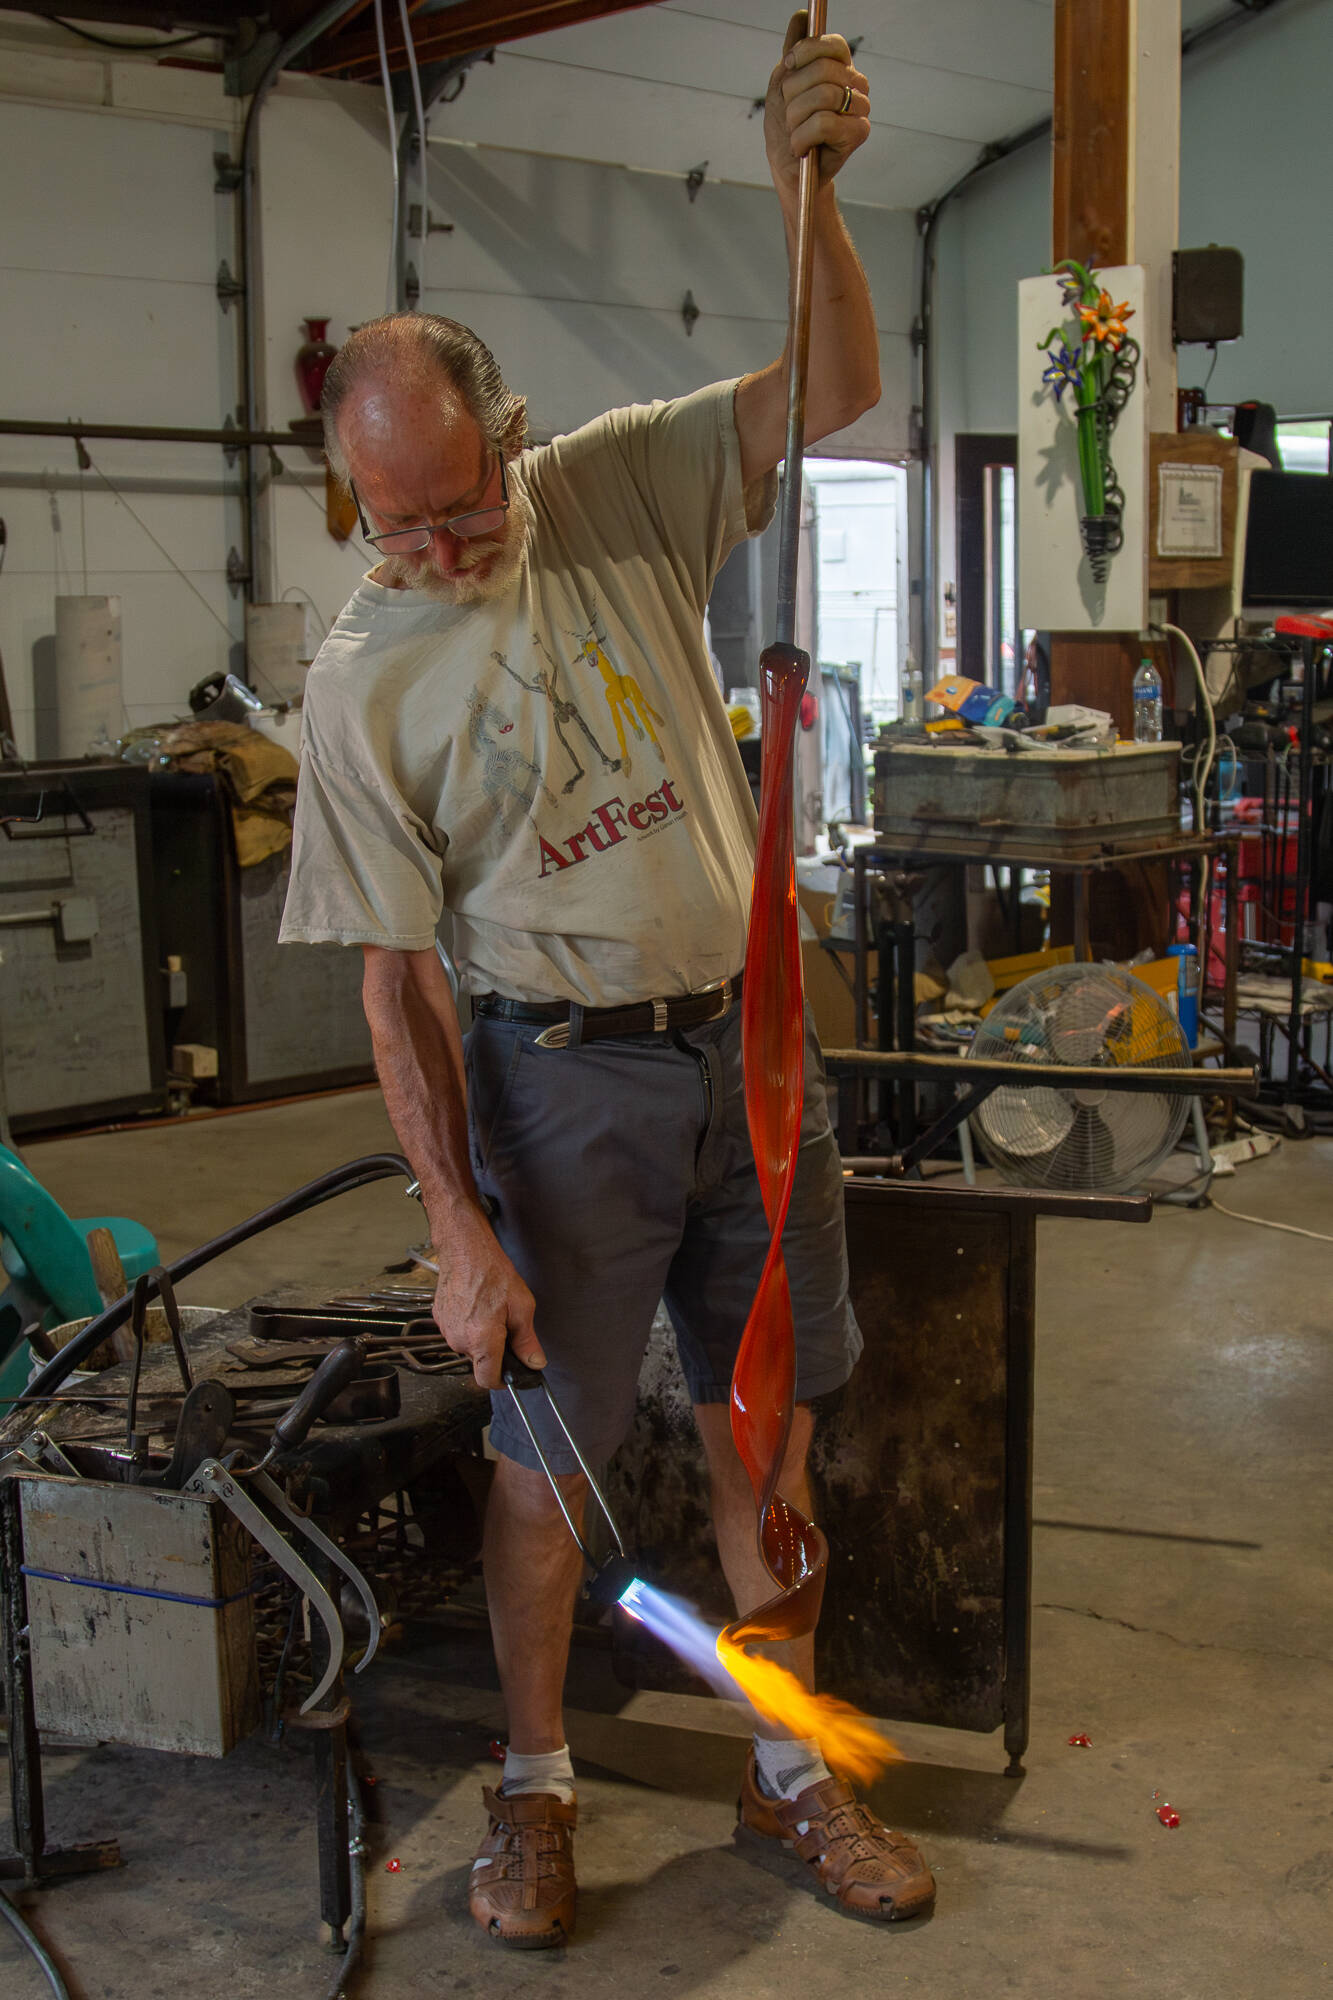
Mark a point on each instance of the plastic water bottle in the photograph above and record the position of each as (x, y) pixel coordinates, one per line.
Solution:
(1147, 703)
(912, 694)
(1187, 990)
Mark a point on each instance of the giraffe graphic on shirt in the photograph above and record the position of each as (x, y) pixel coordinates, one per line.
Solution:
(562, 711)
(510, 780)
(624, 697)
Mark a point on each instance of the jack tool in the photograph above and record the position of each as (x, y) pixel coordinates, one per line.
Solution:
(235, 1485)
(612, 1577)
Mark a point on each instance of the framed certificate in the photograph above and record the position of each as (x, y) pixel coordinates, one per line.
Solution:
(1189, 510)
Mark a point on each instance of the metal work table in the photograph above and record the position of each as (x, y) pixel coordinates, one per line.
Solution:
(897, 940)
(340, 1473)
(921, 1469)
(349, 1467)
(1193, 848)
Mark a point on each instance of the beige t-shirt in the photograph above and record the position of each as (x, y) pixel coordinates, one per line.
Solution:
(548, 782)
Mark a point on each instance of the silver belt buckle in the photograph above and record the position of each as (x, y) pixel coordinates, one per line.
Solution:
(659, 1008)
(721, 990)
(554, 1037)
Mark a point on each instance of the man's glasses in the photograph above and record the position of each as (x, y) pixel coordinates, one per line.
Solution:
(410, 541)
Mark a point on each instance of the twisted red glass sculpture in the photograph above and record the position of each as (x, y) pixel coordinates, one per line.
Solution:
(763, 1383)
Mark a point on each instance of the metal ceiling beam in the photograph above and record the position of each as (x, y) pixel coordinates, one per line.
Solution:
(458, 31)
(213, 17)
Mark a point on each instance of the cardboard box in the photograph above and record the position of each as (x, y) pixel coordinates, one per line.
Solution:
(825, 988)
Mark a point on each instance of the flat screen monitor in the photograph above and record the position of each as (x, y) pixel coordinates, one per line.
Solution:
(1289, 541)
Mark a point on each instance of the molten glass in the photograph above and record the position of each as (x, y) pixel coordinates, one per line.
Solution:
(763, 1383)
(1168, 1815)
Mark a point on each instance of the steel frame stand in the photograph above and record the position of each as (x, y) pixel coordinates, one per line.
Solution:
(328, 1723)
(1020, 1374)
(33, 1862)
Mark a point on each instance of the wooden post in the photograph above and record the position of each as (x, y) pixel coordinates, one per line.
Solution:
(1090, 134)
(1115, 154)
(1115, 170)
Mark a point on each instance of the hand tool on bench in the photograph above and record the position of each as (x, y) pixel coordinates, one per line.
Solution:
(271, 1357)
(202, 1429)
(389, 1295)
(279, 1322)
(612, 1577)
(235, 1485)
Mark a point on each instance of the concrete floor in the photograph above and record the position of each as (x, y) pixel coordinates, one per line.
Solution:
(1183, 1620)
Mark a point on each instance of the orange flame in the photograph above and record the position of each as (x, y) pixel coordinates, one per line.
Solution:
(850, 1743)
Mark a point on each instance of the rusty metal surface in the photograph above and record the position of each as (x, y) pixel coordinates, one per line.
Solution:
(908, 1467)
(1066, 802)
(909, 1470)
(342, 1468)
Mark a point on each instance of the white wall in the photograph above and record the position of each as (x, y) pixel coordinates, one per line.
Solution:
(1256, 164)
(576, 273)
(108, 312)
(110, 237)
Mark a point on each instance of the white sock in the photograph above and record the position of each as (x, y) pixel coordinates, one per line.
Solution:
(548, 1771)
(788, 1765)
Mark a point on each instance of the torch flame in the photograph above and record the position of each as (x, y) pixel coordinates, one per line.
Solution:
(850, 1743)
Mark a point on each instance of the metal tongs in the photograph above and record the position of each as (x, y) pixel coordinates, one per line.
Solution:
(235, 1484)
(613, 1575)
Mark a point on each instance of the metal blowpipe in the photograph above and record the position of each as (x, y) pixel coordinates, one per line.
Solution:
(798, 365)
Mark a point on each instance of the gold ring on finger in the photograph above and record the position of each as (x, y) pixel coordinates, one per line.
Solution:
(846, 104)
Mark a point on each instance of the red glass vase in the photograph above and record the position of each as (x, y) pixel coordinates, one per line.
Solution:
(312, 362)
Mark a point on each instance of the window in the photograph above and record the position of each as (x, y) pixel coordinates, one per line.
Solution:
(1304, 444)
(861, 532)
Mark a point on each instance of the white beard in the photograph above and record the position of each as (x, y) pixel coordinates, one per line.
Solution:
(508, 549)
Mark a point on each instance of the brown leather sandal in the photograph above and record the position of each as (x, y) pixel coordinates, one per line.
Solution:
(523, 1890)
(871, 1870)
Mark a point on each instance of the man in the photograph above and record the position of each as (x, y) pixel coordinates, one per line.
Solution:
(588, 1154)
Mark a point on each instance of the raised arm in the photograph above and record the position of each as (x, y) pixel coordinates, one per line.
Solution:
(803, 110)
(419, 1055)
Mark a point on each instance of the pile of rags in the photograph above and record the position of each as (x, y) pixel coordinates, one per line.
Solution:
(258, 775)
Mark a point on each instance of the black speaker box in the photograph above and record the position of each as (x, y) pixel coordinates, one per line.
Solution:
(1208, 295)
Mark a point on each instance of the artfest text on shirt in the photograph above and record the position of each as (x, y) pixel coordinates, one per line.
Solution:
(608, 826)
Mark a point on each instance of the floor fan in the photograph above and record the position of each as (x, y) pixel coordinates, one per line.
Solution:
(1083, 1138)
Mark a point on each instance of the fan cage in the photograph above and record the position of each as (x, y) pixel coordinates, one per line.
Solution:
(1080, 1139)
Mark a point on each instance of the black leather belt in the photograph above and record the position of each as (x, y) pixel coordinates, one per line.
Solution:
(572, 1025)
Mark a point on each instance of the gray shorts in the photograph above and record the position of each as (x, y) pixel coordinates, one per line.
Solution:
(620, 1174)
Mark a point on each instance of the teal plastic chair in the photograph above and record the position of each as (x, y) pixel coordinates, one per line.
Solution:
(45, 1256)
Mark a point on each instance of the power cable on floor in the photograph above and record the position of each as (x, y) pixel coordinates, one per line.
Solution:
(29, 1938)
(1263, 1222)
